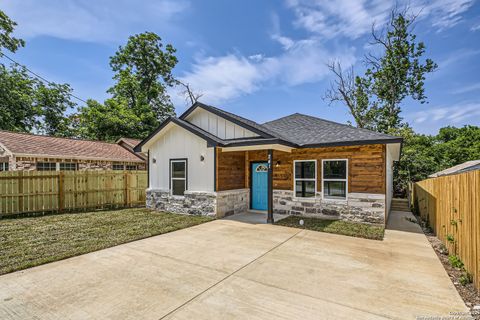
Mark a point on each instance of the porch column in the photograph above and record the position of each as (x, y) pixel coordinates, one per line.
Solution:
(270, 187)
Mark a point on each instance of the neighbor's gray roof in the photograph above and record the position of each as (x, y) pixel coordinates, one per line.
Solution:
(459, 168)
(307, 130)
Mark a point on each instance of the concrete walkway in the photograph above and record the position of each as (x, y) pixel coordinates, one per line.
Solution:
(228, 269)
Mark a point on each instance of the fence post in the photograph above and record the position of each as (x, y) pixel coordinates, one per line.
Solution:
(20, 192)
(125, 189)
(61, 192)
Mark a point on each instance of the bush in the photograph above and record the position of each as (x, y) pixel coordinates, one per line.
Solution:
(455, 261)
(465, 279)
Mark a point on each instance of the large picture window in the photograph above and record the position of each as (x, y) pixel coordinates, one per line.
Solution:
(335, 174)
(178, 176)
(305, 174)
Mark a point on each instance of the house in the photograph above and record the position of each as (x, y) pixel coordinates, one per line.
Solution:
(129, 144)
(212, 162)
(459, 168)
(24, 151)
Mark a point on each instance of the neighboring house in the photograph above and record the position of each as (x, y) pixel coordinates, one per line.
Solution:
(130, 144)
(459, 168)
(24, 151)
(212, 162)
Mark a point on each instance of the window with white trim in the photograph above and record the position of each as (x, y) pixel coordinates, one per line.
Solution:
(178, 176)
(68, 166)
(131, 167)
(334, 173)
(46, 166)
(118, 167)
(3, 166)
(305, 178)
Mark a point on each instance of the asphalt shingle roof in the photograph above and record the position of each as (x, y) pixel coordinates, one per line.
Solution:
(38, 145)
(307, 130)
(296, 130)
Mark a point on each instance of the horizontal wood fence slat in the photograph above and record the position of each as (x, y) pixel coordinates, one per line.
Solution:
(451, 205)
(36, 191)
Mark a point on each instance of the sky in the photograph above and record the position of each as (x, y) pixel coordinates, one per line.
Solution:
(259, 59)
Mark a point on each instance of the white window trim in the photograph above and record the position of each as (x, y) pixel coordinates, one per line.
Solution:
(301, 179)
(172, 178)
(346, 181)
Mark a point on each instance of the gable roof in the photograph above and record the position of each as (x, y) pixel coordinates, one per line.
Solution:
(243, 122)
(296, 130)
(310, 131)
(459, 168)
(26, 144)
(129, 142)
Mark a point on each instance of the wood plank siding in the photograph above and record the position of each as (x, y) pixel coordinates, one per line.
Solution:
(366, 167)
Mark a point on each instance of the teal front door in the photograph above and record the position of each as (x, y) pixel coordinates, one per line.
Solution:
(259, 191)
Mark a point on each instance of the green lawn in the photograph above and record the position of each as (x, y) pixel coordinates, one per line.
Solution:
(28, 242)
(353, 229)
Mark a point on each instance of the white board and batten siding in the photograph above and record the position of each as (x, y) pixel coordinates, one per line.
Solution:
(176, 142)
(218, 126)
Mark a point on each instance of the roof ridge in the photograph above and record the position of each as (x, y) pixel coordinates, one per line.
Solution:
(63, 138)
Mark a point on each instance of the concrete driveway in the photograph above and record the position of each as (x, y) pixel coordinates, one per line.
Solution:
(230, 269)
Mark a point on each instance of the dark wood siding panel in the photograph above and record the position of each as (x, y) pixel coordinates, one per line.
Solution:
(366, 166)
(230, 170)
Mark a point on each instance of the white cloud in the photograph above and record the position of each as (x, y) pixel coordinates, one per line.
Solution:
(226, 77)
(469, 88)
(475, 27)
(455, 114)
(352, 19)
(94, 21)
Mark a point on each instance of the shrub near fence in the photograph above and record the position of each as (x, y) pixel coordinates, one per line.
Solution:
(451, 205)
(57, 191)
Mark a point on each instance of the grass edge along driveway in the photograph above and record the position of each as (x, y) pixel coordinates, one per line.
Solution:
(32, 241)
(346, 228)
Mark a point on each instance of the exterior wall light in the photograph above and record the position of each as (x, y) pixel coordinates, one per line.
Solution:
(202, 158)
(154, 160)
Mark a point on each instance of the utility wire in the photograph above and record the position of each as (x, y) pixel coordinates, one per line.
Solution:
(38, 76)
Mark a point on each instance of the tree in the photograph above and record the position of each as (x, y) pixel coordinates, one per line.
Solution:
(53, 101)
(374, 100)
(353, 92)
(139, 102)
(190, 96)
(108, 122)
(143, 72)
(423, 155)
(6, 29)
(400, 71)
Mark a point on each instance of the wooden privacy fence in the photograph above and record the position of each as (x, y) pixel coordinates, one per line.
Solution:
(58, 191)
(451, 205)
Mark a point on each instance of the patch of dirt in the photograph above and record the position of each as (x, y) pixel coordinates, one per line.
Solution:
(469, 294)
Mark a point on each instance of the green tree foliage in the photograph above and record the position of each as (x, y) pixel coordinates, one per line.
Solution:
(423, 155)
(374, 99)
(399, 72)
(27, 103)
(6, 29)
(108, 121)
(143, 71)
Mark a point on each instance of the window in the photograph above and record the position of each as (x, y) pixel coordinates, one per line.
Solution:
(118, 167)
(131, 167)
(305, 178)
(46, 166)
(335, 174)
(3, 166)
(178, 176)
(68, 166)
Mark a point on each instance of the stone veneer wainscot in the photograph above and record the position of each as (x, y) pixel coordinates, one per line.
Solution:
(214, 204)
(359, 207)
